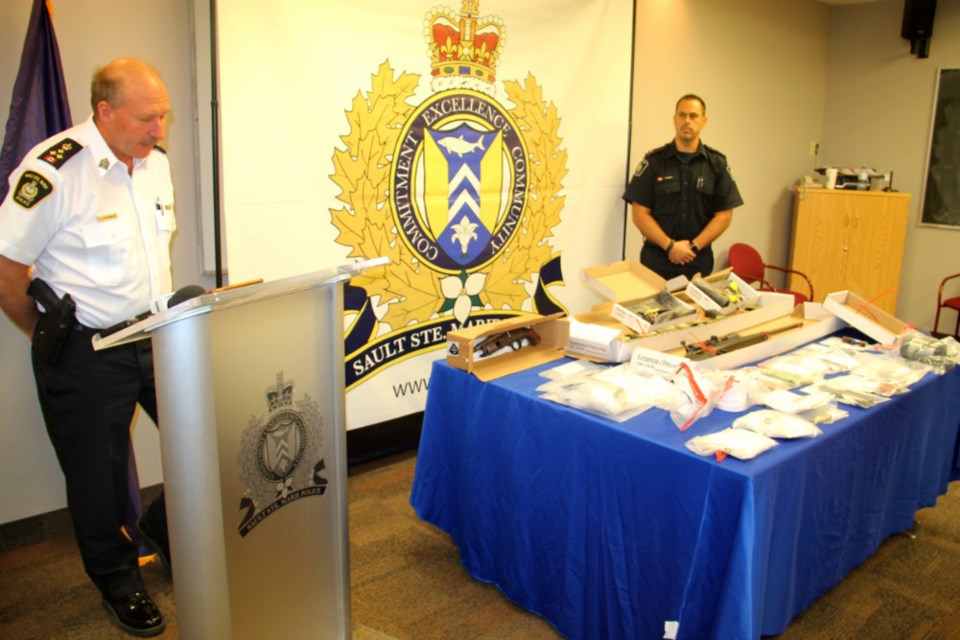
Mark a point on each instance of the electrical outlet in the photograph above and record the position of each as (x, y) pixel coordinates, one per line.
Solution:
(814, 148)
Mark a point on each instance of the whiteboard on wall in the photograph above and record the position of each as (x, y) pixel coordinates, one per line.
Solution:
(941, 193)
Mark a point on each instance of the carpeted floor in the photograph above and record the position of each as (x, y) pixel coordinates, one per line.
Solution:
(407, 582)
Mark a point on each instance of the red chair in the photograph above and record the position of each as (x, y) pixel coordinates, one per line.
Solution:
(750, 267)
(949, 303)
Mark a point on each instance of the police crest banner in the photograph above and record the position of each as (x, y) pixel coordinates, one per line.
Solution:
(483, 150)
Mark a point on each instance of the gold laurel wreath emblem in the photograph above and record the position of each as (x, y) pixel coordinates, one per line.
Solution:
(365, 222)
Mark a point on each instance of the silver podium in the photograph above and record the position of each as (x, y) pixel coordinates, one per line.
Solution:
(250, 387)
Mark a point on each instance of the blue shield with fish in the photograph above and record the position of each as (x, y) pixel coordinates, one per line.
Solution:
(462, 190)
(459, 181)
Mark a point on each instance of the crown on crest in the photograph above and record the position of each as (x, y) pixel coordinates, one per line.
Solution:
(464, 49)
(280, 396)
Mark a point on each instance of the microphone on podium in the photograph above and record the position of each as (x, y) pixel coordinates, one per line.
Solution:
(161, 304)
(185, 293)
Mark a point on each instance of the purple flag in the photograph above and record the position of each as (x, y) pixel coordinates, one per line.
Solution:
(39, 107)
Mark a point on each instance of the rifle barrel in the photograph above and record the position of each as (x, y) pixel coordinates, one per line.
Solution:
(732, 342)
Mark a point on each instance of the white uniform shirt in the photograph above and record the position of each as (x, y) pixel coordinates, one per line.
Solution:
(90, 228)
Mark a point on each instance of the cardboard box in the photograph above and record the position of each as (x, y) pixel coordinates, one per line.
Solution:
(465, 346)
(628, 278)
(748, 295)
(633, 288)
(657, 361)
(860, 314)
(773, 346)
(666, 311)
(769, 306)
(621, 280)
(597, 336)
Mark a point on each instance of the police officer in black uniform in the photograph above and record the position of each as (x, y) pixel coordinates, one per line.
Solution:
(682, 197)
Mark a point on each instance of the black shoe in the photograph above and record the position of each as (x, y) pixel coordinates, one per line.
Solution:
(157, 539)
(136, 614)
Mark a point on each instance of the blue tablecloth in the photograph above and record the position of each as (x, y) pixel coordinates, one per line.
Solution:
(610, 530)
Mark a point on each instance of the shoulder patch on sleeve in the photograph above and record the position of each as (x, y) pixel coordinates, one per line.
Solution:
(641, 167)
(31, 189)
(61, 152)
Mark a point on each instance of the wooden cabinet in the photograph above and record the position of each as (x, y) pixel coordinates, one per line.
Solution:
(850, 240)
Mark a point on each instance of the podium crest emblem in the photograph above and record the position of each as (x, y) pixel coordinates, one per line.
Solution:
(280, 455)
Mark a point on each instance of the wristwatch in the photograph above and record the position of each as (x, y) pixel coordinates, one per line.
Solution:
(693, 245)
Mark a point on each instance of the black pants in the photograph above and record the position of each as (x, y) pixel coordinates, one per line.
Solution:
(88, 400)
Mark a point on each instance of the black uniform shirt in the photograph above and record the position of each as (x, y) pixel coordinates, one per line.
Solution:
(683, 194)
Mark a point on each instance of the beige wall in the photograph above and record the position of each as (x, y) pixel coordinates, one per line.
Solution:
(775, 75)
(779, 75)
(880, 106)
(761, 67)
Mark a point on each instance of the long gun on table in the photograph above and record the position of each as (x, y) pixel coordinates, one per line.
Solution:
(513, 338)
(731, 342)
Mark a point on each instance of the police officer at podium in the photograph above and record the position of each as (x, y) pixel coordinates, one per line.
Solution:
(86, 228)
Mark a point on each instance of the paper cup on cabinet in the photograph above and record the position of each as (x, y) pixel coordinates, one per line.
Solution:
(831, 178)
